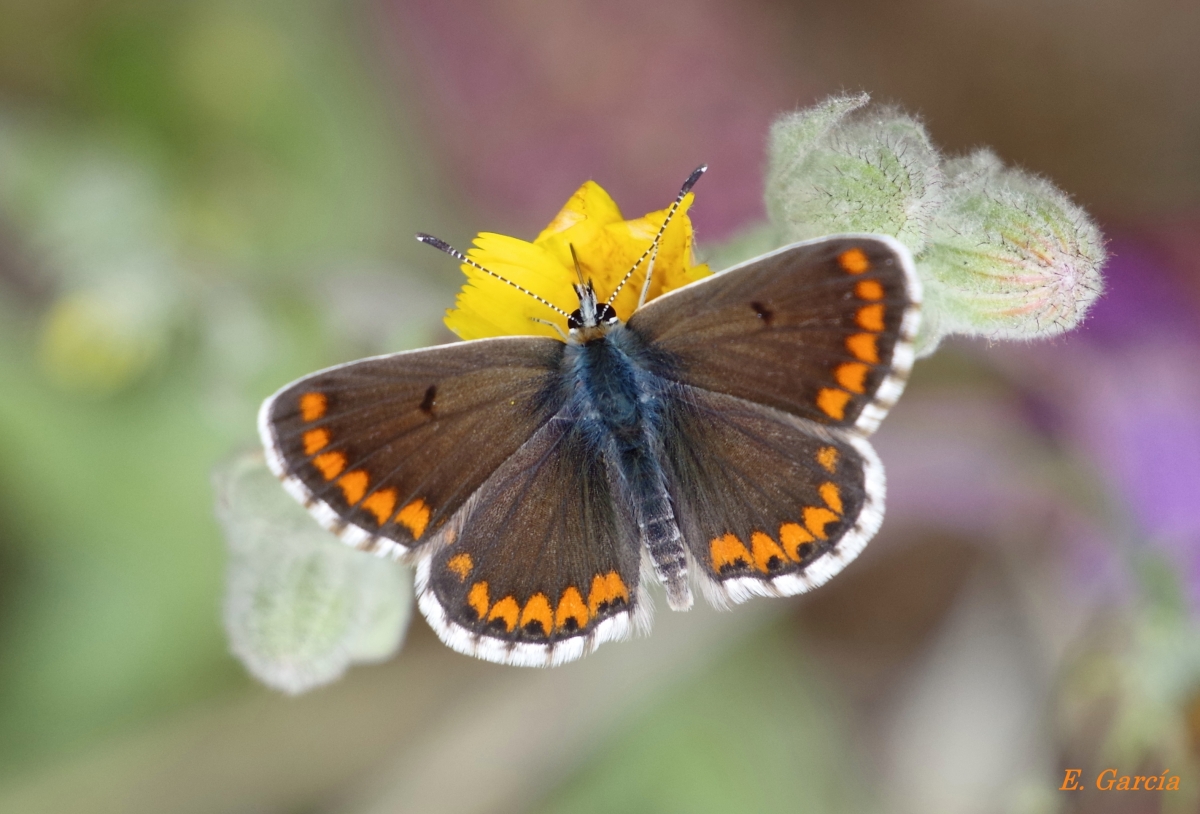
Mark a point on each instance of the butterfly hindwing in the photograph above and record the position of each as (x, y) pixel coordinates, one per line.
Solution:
(768, 503)
(384, 451)
(822, 330)
(542, 566)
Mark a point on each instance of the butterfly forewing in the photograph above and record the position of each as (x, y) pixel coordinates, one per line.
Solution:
(542, 565)
(384, 451)
(822, 330)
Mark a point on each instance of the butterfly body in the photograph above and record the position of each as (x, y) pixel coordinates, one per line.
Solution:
(718, 436)
(620, 401)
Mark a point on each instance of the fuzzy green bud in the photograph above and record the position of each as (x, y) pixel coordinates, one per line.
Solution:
(845, 167)
(300, 606)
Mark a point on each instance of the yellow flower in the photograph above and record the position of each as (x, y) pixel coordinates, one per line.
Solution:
(607, 247)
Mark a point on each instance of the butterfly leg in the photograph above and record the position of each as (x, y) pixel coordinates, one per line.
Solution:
(558, 329)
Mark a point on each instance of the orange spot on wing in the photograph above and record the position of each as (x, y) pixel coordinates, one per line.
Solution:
(828, 458)
(313, 406)
(854, 261)
(728, 551)
(870, 317)
(793, 535)
(414, 517)
(507, 610)
(461, 564)
(570, 606)
(868, 290)
(852, 376)
(816, 519)
(864, 347)
(315, 441)
(537, 609)
(831, 496)
(331, 464)
(833, 402)
(478, 599)
(606, 589)
(768, 556)
(381, 504)
(354, 485)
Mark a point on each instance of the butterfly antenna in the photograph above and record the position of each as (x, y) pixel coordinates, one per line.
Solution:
(653, 247)
(443, 246)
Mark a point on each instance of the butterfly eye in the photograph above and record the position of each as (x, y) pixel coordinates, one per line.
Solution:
(575, 320)
(606, 315)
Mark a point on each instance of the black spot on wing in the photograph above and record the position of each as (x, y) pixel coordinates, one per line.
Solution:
(429, 400)
(764, 313)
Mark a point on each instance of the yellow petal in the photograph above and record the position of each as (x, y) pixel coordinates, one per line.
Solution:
(489, 307)
(607, 248)
(590, 202)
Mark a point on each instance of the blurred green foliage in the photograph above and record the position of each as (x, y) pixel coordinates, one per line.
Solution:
(755, 733)
(112, 614)
(177, 177)
(257, 118)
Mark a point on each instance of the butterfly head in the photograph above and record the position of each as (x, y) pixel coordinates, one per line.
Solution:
(592, 319)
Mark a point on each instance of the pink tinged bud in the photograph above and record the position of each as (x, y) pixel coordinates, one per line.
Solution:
(1010, 256)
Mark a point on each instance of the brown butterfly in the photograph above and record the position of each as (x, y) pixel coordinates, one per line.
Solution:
(716, 439)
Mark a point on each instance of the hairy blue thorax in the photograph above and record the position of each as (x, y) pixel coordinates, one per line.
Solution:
(613, 387)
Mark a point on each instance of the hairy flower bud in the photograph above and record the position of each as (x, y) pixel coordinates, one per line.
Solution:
(1009, 256)
(843, 167)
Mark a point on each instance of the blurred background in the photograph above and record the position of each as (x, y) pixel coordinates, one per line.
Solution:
(201, 201)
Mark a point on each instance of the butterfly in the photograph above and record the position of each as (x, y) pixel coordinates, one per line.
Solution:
(715, 441)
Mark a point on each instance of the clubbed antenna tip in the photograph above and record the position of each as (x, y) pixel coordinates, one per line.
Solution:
(439, 244)
(652, 249)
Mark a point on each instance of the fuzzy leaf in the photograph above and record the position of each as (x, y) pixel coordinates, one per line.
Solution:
(300, 606)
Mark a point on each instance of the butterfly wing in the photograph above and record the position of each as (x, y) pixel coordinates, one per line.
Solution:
(384, 451)
(779, 368)
(542, 565)
(822, 329)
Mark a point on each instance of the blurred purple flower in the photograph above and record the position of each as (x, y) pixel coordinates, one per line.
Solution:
(1144, 298)
(1127, 391)
(966, 462)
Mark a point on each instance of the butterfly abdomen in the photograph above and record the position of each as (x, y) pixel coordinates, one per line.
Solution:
(658, 527)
